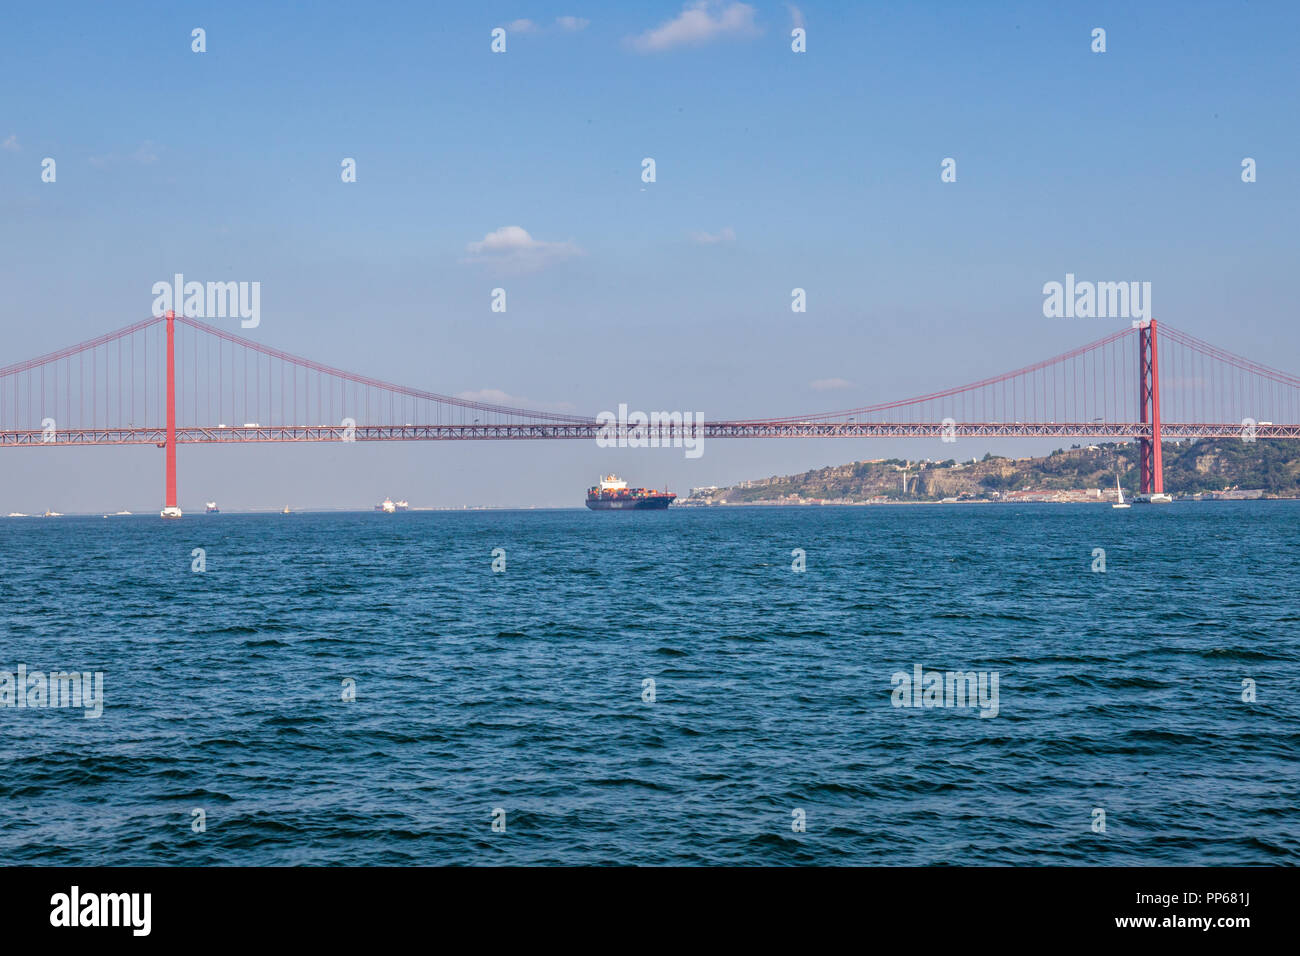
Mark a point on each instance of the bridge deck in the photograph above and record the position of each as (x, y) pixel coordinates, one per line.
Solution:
(157, 434)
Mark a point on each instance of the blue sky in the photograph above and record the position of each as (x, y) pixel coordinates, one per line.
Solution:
(818, 170)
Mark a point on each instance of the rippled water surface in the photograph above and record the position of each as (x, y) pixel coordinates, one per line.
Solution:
(523, 690)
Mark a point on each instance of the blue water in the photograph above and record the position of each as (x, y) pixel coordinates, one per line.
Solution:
(522, 690)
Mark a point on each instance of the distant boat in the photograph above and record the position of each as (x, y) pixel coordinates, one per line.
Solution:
(18, 514)
(121, 512)
(1154, 498)
(1119, 492)
(386, 506)
(403, 505)
(211, 508)
(286, 510)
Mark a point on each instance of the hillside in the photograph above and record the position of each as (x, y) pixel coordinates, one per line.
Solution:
(1231, 466)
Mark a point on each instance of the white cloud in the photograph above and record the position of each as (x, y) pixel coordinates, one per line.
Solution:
(699, 22)
(568, 24)
(726, 234)
(146, 154)
(511, 248)
(495, 396)
(11, 144)
(796, 15)
(829, 384)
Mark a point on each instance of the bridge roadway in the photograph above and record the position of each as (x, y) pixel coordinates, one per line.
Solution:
(667, 435)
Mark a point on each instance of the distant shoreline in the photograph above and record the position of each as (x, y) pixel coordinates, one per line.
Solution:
(676, 507)
(969, 501)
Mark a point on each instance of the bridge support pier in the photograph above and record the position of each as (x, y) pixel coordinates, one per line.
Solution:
(170, 510)
(1152, 468)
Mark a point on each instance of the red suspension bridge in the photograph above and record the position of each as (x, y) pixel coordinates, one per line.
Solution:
(171, 380)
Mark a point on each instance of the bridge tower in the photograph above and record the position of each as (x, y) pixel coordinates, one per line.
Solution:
(170, 510)
(1152, 474)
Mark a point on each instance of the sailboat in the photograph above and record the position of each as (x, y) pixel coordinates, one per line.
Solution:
(1119, 495)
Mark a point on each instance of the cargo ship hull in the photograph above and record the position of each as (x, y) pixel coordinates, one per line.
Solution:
(629, 504)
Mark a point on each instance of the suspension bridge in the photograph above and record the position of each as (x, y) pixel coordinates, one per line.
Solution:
(171, 380)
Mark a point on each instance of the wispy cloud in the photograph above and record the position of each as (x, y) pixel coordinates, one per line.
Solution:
(567, 24)
(796, 15)
(829, 384)
(512, 249)
(10, 145)
(495, 396)
(726, 234)
(145, 154)
(699, 22)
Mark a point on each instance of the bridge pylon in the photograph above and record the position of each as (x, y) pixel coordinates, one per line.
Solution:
(1152, 468)
(170, 510)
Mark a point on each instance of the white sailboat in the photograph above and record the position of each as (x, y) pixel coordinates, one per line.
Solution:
(1119, 495)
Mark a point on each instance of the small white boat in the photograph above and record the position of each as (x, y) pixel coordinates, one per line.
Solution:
(17, 514)
(1119, 494)
(386, 506)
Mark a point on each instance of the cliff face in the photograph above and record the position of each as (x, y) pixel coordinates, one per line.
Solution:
(1271, 466)
(1205, 466)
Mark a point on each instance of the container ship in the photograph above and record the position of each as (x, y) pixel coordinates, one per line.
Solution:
(613, 494)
